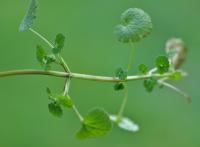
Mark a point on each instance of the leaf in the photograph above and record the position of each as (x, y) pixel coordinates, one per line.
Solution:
(48, 59)
(65, 101)
(119, 86)
(149, 84)
(162, 64)
(135, 25)
(48, 91)
(29, 17)
(59, 43)
(143, 68)
(40, 54)
(96, 123)
(176, 75)
(44, 59)
(121, 73)
(125, 123)
(55, 109)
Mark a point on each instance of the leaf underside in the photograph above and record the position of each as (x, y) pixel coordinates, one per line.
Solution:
(29, 17)
(135, 25)
(125, 124)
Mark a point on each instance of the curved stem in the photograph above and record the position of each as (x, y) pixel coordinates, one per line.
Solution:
(80, 76)
(188, 98)
(123, 105)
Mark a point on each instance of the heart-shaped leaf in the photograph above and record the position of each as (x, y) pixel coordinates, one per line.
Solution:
(135, 25)
(96, 123)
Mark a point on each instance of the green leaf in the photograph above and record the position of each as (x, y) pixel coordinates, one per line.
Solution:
(121, 73)
(96, 123)
(143, 68)
(44, 59)
(40, 54)
(125, 123)
(48, 91)
(119, 86)
(176, 75)
(65, 101)
(59, 43)
(48, 59)
(149, 84)
(29, 17)
(135, 25)
(162, 64)
(55, 109)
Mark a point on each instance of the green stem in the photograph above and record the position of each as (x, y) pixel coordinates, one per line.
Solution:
(94, 78)
(78, 113)
(82, 76)
(185, 95)
(123, 105)
(125, 99)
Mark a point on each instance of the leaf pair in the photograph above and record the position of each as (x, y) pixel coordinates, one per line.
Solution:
(135, 25)
(57, 102)
(121, 74)
(96, 123)
(162, 66)
(43, 58)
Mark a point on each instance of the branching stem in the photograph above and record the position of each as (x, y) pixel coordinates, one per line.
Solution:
(81, 76)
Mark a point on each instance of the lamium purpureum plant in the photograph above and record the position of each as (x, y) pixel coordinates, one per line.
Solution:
(135, 25)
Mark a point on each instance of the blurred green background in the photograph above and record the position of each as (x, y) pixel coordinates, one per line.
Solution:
(165, 119)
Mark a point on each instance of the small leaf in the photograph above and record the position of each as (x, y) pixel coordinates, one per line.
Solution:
(44, 59)
(59, 43)
(40, 54)
(176, 75)
(162, 64)
(65, 101)
(125, 123)
(119, 86)
(29, 17)
(121, 73)
(55, 109)
(96, 123)
(48, 59)
(135, 25)
(143, 68)
(149, 84)
(48, 91)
